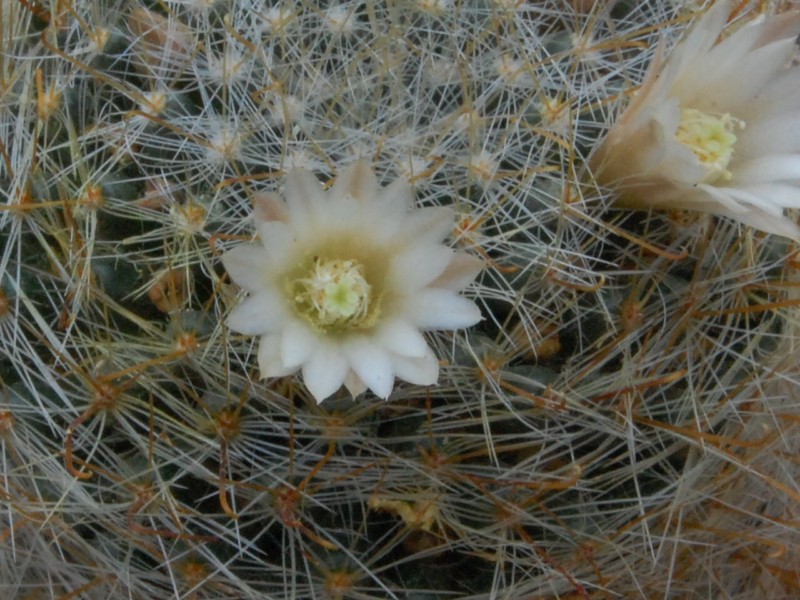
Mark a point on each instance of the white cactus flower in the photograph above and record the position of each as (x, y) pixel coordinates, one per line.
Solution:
(715, 127)
(344, 281)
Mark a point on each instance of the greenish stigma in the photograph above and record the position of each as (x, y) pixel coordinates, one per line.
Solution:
(334, 294)
(711, 139)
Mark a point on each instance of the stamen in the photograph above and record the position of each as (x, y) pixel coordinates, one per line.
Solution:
(712, 140)
(334, 295)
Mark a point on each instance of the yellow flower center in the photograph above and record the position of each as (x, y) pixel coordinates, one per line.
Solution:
(334, 295)
(711, 138)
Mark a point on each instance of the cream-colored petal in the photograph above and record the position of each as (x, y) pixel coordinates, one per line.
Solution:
(423, 370)
(401, 338)
(269, 359)
(738, 79)
(782, 167)
(777, 98)
(371, 363)
(325, 370)
(462, 270)
(354, 385)
(343, 213)
(245, 266)
(269, 207)
(259, 314)
(279, 244)
(702, 36)
(723, 201)
(396, 198)
(769, 223)
(298, 343)
(387, 215)
(416, 266)
(748, 200)
(429, 225)
(440, 309)
(304, 189)
(304, 196)
(783, 195)
(768, 135)
(358, 181)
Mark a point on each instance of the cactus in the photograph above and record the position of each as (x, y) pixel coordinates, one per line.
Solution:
(623, 422)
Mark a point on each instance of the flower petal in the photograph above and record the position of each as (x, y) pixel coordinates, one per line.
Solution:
(371, 363)
(770, 168)
(426, 225)
(269, 207)
(766, 222)
(354, 385)
(396, 198)
(462, 270)
(401, 338)
(423, 370)
(304, 197)
(757, 68)
(357, 181)
(760, 136)
(416, 266)
(259, 314)
(245, 266)
(783, 195)
(325, 370)
(279, 244)
(303, 190)
(441, 309)
(297, 343)
(269, 359)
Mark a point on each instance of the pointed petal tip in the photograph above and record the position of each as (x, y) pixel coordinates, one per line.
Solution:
(357, 180)
(325, 371)
(354, 385)
(268, 206)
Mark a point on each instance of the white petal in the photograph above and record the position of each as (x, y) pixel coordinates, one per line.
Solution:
(345, 212)
(297, 343)
(779, 97)
(269, 359)
(397, 198)
(354, 385)
(736, 81)
(769, 168)
(325, 370)
(269, 207)
(304, 194)
(279, 244)
(416, 266)
(259, 314)
(420, 371)
(429, 225)
(440, 309)
(765, 216)
(462, 270)
(245, 265)
(701, 37)
(723, 199)
(400, 337)
(750, 200)
(764, 221)
(387, 216)
(778, 135)
(357, 181)
(783, 195)
(371, 363)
